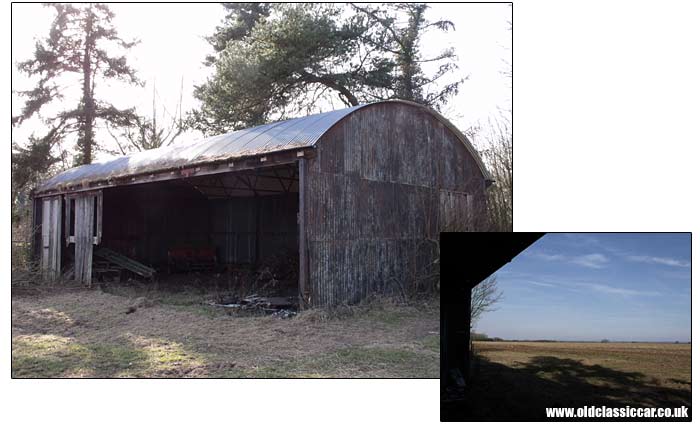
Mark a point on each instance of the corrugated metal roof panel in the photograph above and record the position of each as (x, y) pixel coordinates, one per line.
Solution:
(295, 133)
(290, 134)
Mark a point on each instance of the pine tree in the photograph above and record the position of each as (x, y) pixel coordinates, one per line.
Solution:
(275, 60)
(81, 42)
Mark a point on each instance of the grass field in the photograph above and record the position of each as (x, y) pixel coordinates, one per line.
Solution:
(83, 333)
(518, 380)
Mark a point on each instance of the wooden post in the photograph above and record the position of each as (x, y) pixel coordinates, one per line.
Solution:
(98, 231)
(56, 217)
(36, 229)
(45, 241)
(67, 219)
(304, 293)
(51, 237)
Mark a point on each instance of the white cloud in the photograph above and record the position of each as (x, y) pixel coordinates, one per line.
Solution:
(549, 257)
(594, 260)
(602, 288)
(667, 261)
(582, 286)
(540, 283)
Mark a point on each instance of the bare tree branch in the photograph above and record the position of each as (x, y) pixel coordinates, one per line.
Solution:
(484, 297)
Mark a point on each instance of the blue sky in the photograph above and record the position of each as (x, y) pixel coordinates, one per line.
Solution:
(595, 286)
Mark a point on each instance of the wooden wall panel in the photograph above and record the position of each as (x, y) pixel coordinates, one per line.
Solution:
(45, 237)
(456, 211)
(51, 238)
(84, 237)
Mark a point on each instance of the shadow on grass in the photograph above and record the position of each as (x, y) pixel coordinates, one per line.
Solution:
(522, 393)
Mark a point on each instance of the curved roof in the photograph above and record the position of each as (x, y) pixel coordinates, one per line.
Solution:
(296, 133)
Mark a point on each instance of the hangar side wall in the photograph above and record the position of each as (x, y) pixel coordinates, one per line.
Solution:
(384, 182)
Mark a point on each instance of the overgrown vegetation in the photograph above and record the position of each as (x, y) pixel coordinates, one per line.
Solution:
(497, 154)
(25, 271)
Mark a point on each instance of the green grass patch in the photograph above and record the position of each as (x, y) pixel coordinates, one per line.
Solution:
(432, 343)
(54, 356)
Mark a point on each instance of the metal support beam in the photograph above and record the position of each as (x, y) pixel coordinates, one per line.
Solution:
(281, 158)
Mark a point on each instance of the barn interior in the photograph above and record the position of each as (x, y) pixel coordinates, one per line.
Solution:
(236, 230)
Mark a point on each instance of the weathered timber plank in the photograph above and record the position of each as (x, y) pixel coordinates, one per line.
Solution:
(84, 214)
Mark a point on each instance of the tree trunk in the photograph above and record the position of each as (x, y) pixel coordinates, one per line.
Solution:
(347, 96)
(88, 98)
(408, 56)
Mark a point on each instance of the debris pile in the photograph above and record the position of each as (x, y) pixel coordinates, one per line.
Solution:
(279, 307)
(284, 313)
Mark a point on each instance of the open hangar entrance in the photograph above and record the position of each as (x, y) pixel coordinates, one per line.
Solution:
(211, 224)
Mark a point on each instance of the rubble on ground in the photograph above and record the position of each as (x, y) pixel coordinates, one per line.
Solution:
(279, 307)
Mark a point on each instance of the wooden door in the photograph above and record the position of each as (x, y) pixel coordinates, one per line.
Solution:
(88, 231)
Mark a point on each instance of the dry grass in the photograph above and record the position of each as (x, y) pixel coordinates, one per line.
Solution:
(668, 364)
(518, 380)
(88, 334)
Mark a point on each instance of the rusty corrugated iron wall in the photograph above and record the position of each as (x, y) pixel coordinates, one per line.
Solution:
(384, 182)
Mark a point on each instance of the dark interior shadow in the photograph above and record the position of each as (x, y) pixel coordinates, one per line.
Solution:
(522, 393)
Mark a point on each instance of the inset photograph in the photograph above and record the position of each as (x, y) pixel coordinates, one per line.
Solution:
(565, 326)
